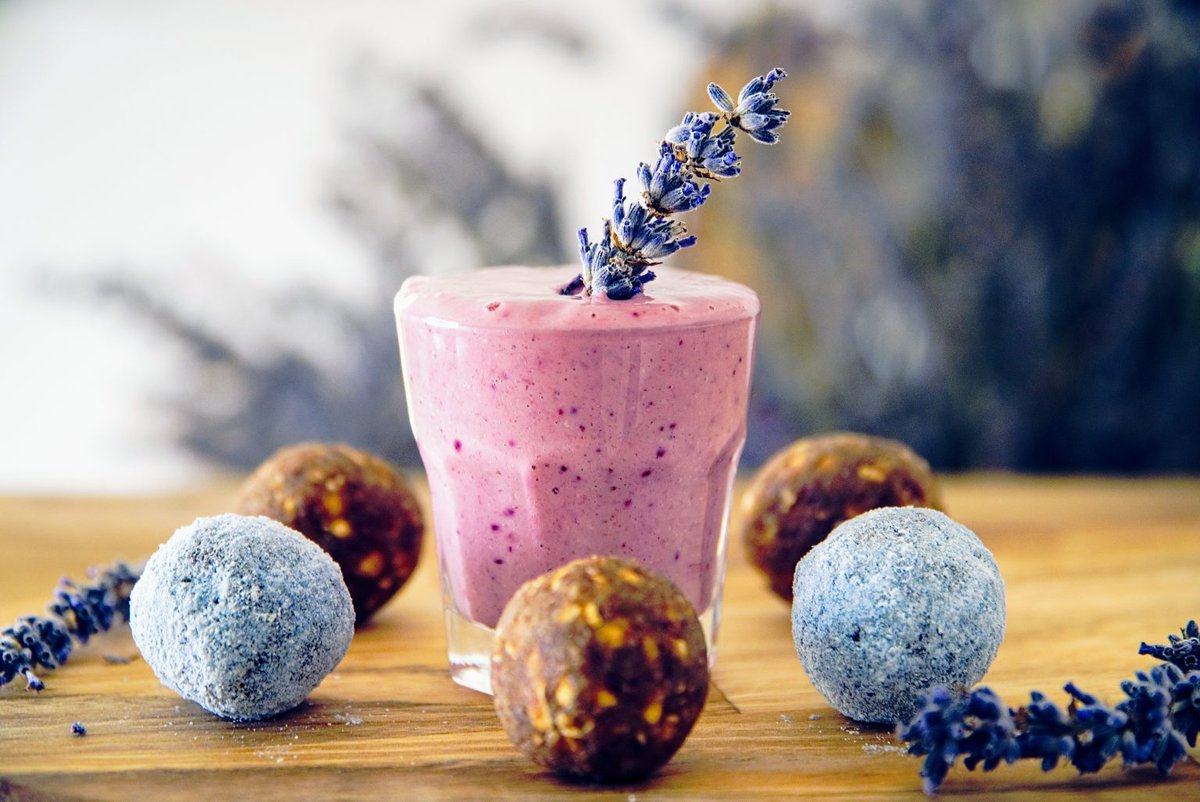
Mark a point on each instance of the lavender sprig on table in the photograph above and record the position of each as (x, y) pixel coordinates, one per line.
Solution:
(699, 150)
(76, 613)
(1161, 711)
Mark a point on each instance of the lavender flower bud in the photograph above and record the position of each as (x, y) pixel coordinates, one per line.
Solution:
(1098, 730)
(1185, 706)
(1183, 653)
(720, 98)
(1045, 732)
(667, 189)
(1151, 737)
(756, 113)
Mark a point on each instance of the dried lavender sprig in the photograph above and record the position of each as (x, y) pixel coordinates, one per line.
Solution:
(977, 727)
(1150, 726)
(641, 231)
(76, 613)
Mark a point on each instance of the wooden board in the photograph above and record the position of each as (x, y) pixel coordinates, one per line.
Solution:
(1092, 567)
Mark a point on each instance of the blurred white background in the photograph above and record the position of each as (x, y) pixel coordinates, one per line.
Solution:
(178, 139)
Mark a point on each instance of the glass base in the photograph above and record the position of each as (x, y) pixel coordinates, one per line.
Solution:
(470, 650)
(470, 647)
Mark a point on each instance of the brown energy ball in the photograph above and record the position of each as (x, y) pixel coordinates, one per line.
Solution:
(599, 670)
(352, 504)
(814, 484)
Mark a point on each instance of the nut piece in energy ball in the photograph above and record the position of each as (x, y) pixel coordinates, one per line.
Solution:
(241, 615)
(352, 504)
(599, 670)
(814, 484)
(894, 601)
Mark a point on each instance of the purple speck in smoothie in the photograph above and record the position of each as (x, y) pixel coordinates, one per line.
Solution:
(660, 453)
(673, 425)
(493, 306)
(647, 472)
(562, 468)
(498, 561)
(628, 502)
(554, 490)
(510, 512)
(495, 527)
(574, 410)
(582, 428)
(676, 556)
(458, 445)
(560, 410)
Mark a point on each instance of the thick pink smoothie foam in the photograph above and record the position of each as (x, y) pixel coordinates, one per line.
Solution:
(556, 427)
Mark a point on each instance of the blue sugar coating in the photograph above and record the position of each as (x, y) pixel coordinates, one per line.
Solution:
(241, 615)
(892, 602)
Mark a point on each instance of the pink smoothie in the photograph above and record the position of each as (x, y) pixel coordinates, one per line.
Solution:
(555, 427)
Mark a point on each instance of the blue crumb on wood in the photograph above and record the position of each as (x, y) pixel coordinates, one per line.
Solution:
(894, 601)
(78, 729)
(241, 615)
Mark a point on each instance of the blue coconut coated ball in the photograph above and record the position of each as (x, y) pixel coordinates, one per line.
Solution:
(892, 602)
(241, 615)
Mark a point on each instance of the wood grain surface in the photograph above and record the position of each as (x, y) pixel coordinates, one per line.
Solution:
(1093, 566)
